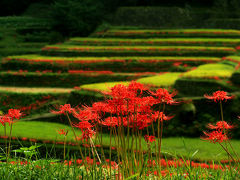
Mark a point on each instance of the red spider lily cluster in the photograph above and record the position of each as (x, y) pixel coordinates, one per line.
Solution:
(220, 129)
(9, 118)
(149, 139)
(128, 107)
(219, 96)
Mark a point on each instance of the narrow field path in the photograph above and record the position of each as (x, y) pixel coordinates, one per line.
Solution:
(35, 90)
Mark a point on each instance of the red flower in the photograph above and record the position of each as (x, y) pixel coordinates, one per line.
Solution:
(86, 114)
(63, 132)
(14, 113)
(5, 119)
(163, 96)
(219, 96)
(63, 109)
(149, 138)
(161, 116)
(87, 134)
(215, 136)
(83, 125)
(110, 122)
(220, 125)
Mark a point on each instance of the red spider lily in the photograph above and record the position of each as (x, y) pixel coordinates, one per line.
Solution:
(219, 96)
(62, 132)
(135, 86)
(14, 113)
(120, 91)
(85, 114)
(150, 139)
(63, 109)
(87, 134)
(177, 64)
(215, 136)
(220, 125)
(5, 119)
(100, 107)
(110, 122)
(83, 125)
(161, 116)
(163, 96)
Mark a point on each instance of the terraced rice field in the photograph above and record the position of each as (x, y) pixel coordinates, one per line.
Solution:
(191, 61)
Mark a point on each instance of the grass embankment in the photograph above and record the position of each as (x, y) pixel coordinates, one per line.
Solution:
(143, 33)
(175, 146)
(155, 41)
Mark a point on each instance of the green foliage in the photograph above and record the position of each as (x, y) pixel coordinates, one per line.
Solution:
(23, 22)
(84, 97)
(32, 102)
(198, 87)
(74, 17)
(164, 17)
(235, 78)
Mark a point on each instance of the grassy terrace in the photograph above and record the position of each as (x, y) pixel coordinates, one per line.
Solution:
(171, 146)
(70, 50)
(102, 87)
(210, 71)
(233, 58)
(50, 59)
(155, 41)
(163, 80)
(68, 80)
(169, 33)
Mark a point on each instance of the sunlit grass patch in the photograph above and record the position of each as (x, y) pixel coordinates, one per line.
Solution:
(210, 71)
(163, 80)
(101, 87)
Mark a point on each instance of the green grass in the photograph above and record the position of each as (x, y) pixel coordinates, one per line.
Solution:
(36, 57)
(39, 130)
(102, 86)
(210, 70)
(164, 80)
(233, 58)
(71, 50)
(171, 146)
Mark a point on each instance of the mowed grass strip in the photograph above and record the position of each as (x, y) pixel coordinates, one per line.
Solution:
(34, 90)
(102, 87)
(71, 50)
(39, 58)
(234, 58)
(65, 47)
(169, 33)
(193, 148)
(154, 41)
(163, 80)
(210, 71)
